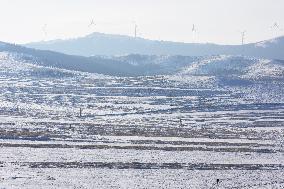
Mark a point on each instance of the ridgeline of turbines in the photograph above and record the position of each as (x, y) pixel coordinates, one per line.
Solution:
(275, 27)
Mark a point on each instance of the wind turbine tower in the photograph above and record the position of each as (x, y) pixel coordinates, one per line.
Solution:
(193, 28)
(44, 29)
(243, 33)
(135, 30)
(193, 32)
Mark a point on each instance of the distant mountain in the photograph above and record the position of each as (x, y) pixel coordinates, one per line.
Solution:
(110, 45)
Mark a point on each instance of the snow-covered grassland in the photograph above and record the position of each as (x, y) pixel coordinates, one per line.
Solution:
(166, 131)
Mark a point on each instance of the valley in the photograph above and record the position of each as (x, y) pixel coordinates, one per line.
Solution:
(182, 130)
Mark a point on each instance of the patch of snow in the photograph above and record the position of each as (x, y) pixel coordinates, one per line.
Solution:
(264, 68)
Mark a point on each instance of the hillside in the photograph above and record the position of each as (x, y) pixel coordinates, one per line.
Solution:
(220, 66)
(211, 113)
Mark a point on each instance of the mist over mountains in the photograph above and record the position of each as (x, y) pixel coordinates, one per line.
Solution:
(111, 45)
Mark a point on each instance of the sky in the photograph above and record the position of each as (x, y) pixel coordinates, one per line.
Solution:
(215, 21)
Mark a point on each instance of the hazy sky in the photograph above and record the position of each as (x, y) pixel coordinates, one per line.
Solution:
(218, 21)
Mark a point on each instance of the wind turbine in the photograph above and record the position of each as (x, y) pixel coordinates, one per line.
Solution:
(276, 28)
(243, 33)
(193, 28)
(92, 23)
(135, 30)
(44, 30)
(194, 31)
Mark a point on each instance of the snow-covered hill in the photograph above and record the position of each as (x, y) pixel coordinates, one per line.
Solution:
(227, 67)
(236, 67)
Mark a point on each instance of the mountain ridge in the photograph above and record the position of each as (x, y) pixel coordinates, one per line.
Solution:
(112, 45)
